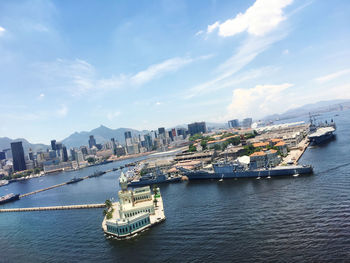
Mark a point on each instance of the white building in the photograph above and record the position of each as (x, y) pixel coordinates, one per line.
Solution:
(136, 210)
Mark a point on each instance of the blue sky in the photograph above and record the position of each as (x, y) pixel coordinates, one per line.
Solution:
(69, 66)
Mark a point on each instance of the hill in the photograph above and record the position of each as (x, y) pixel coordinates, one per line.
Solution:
(101, 134)
(5, 143)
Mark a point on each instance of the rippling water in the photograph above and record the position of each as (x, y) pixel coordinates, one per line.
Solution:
(289, 219)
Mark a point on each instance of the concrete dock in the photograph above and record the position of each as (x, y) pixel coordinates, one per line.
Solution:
(67, 207)
(295, 154)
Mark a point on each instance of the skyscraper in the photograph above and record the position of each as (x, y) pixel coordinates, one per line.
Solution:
(53, 145)
(161, 131)
(197, 127)
(2, 156)
(64, 154)
(92, 141)
(127, 136)
(19, 163)
(247, 123)
(233, 123)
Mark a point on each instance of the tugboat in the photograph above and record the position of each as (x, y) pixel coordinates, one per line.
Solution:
(75, 180)
(8, 198)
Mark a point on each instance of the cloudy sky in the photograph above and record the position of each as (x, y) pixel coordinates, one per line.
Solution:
(69, 66)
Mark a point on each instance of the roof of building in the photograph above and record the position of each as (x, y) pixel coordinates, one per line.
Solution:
(281, 143)
(260, 144)
(276, 140)
(271, 151)
(258, 154)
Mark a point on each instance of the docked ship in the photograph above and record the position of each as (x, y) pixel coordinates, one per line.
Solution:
(154, 178)
(8, 198)
(227, 170)
(75, 180)
(322, 132)
(97, 174)
(135, 211)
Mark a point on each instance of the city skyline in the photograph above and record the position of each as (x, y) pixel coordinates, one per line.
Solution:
(146, 65)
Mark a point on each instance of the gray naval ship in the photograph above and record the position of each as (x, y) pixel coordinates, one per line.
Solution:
(224, 170)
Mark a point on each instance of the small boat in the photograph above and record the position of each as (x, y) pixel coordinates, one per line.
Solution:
(258, 178)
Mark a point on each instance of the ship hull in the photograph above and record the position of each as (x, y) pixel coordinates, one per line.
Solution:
(278, 171)
(321, 139)
(151, 182)
(13, 198)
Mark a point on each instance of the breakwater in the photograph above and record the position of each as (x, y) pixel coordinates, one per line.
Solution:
(62, 207)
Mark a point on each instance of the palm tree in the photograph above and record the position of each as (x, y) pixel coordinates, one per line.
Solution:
(108, 204)
(155, 202)
(155, 190)
(105, 212)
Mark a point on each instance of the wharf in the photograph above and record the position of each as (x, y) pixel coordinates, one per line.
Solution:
(67, 207)
(295, 154)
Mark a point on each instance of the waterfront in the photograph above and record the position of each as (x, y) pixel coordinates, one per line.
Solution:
(284, 219)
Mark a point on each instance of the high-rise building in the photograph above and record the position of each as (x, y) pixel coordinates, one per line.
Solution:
(181, 132)
(173, 131)
(247, 122)
(233, 123)
(161, 131)
(114, 146)
(197, 127)
(53, 145)
(64, 154)
(58, 146)
(170, 133)
(92, 141)
(31, 155)
(72, 154)
(19, 163)
(128, 141)
(2, 156)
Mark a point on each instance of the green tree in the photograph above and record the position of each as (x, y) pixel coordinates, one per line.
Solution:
(108, 204)
(91, 160)
(192, 148)
(204, 144)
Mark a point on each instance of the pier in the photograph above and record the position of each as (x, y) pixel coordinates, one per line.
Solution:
(295, 154)
(67, 207)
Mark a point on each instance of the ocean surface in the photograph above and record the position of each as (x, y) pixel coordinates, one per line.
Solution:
(286, 219)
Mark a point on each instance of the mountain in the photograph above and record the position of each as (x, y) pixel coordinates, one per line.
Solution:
(5, 143)
(314, 108)
(101, 134)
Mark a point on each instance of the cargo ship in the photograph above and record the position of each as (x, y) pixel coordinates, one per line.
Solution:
(8, 198)
(75, 180)
(151, 179)
(234, 170)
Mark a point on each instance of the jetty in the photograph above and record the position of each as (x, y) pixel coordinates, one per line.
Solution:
(66, 207)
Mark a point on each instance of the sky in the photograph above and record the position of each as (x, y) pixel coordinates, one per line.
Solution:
(68, 66)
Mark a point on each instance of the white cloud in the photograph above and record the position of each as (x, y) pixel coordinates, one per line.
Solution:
(259, 19)
(63, 111)
(41, 96)
(245, 54)
(258, 102)
(158, 103)
(157, 70)
(79, 77)
(113, 115)
(333, 76)
(285, 52)
(212, 27)
(2, 30)
(200, 32)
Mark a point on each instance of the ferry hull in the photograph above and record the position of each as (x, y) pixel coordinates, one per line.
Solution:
(282, 171)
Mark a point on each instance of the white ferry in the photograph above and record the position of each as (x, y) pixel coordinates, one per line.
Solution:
(136, 211)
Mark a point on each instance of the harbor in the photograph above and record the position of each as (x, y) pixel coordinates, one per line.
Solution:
(247, 209)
